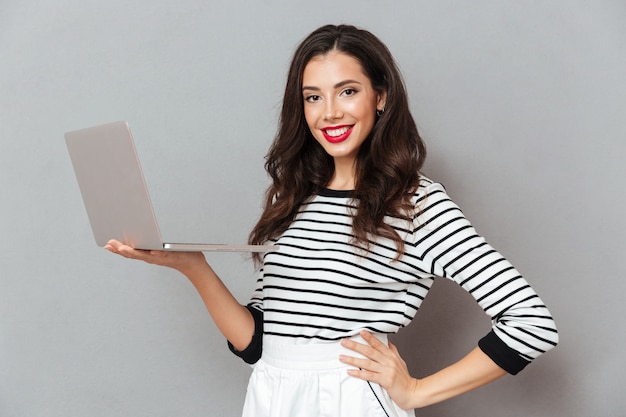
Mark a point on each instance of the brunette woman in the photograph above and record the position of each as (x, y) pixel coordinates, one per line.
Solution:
(362, 235)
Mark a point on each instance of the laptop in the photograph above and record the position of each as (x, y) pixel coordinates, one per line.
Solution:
(115, 193)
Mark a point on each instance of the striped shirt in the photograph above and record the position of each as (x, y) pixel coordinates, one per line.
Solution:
(319, 286)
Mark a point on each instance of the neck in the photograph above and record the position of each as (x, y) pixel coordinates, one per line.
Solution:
(344, 176)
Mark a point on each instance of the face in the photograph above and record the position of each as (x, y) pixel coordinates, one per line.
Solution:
(339, 104)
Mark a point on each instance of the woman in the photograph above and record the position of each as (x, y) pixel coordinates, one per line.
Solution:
(361, 235)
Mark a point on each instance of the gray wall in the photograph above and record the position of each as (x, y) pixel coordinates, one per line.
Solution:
(522, 104)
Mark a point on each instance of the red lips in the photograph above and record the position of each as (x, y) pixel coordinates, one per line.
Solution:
(336, 134)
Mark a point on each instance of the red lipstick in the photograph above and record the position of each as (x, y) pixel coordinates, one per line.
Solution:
(337, 134)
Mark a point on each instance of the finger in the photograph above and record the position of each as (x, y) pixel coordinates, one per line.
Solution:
(371, 359)
(374, 349)
(112, 245)
(365, 375)
(115, 247)
(126, 251)
(372, 340)
(365, 350)
(362, 363)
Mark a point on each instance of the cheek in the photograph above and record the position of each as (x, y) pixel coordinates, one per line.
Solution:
(366, 115)
(310, 118)
(363, 110)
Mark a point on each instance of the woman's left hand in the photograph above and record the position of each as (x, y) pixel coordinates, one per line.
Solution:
(384, 366)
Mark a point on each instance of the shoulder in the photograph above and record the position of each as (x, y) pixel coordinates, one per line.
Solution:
(431, 199)
(427, 188)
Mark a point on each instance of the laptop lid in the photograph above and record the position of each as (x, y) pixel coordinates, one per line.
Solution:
(115, 194)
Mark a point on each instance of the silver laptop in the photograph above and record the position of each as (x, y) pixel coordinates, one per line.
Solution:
(115, 194)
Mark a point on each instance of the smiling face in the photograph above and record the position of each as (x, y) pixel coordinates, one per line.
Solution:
(339, 104)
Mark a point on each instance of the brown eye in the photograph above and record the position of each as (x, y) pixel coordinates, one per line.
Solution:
(312, 98)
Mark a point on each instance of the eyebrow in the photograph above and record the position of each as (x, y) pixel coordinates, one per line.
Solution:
(338, 85)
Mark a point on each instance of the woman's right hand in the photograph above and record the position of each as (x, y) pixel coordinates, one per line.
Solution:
(234, 320)
(185, 262)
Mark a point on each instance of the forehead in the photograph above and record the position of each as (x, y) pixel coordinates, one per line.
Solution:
(332, 67)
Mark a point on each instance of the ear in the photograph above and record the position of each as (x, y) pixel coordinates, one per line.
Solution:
(382, 101)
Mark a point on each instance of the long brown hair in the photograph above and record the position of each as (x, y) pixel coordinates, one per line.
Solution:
(388, 162)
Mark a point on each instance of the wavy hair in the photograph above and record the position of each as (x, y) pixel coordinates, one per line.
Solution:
(388, 161)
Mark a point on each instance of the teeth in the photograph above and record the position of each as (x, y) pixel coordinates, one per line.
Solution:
(336, 132)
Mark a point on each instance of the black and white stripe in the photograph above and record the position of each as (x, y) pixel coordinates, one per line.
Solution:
(319, 286)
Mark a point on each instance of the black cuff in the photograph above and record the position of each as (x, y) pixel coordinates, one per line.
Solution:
(252, 353)
(505, 357)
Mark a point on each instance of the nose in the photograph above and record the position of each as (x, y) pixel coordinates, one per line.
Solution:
(332, 111)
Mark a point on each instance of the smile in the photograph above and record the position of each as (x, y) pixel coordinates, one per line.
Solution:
(337, 134)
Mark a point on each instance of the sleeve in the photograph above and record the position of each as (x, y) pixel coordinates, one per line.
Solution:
(522, 326)
(252, 353)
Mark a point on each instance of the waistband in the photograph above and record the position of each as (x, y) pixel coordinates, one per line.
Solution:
(281, 353)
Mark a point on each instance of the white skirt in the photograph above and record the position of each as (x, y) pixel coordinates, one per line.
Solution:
(307, 380)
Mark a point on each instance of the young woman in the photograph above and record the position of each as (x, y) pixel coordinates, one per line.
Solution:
(361, 235)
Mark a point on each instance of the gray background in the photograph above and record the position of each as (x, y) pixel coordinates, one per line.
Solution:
(522, 104)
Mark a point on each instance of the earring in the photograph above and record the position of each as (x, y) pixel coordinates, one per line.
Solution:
(380, 112)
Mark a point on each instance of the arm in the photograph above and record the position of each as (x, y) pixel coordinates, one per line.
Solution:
(522, 327)
(473, 371)
(231, 318)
